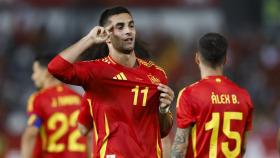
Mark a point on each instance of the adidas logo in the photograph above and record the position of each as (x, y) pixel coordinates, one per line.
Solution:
(120, 76)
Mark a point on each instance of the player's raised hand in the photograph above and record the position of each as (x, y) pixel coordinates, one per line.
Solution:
(166, 95)
(100, 34)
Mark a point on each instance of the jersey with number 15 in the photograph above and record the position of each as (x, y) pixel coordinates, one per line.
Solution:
(54, 111)
(219, 113)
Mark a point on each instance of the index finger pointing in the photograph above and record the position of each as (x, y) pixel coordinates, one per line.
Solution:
(109, 28)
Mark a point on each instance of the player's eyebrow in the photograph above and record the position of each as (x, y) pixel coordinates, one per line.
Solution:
(120, 24)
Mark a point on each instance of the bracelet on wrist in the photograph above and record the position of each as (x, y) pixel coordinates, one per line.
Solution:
(164, 110)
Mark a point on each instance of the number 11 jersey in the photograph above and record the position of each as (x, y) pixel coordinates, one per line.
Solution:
(123, 103)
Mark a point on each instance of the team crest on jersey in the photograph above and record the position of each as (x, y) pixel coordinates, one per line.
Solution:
(120, 76)
(153, 79)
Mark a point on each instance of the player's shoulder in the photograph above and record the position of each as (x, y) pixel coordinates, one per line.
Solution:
(193, 86)
(32, 97)
(105, 60)
(192, 89)
(152, 66)
(237, 87)
(244, 92)
(31, 101)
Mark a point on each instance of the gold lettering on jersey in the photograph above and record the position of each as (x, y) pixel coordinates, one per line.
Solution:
(146, 63)
(234, 99)
(153, 79)
(224, 98)
(70, 100)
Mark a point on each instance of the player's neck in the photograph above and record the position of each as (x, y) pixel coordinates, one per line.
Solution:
(50, 82)
(206, 71)
(127, 60)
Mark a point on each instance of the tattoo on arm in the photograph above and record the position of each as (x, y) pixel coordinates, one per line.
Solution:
(180, 143)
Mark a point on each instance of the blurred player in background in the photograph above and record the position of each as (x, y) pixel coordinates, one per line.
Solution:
(128, 98)
(278, 140)
(213, 114)
(52, 130)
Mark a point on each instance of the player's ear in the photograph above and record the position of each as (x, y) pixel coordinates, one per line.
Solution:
(197, 58)
(225, 60)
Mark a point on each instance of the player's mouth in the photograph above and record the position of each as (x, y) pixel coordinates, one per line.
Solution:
(128, 40)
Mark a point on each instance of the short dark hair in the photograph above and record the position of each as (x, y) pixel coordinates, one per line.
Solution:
(107, 13)
(43, 59)
(213, 48)
(102, 50)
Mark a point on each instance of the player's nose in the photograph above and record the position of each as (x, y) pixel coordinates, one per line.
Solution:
(127, 30)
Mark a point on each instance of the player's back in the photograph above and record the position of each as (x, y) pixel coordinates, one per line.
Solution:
(221, 115)
(58, 107)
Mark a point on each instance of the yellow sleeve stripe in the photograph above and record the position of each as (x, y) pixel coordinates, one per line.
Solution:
(30, 103)
(194, 140)
(31, 120)
(179, 97)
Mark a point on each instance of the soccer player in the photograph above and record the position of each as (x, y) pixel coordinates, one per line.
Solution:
(213, 114)
(52, 125)
(128, 97)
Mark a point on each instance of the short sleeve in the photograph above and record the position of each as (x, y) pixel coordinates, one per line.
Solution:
(185, 116)
(30, 103)
(33, 111)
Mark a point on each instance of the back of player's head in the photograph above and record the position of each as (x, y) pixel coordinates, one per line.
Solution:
(43, 59)
(107, 13)
(213, 48)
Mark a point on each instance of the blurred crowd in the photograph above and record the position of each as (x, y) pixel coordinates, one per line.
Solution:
(253, 62)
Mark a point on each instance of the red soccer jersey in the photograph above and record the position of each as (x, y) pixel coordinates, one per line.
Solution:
(85, 116)
(123, 104)
(37, 151)
(219, 113)
(55, 110)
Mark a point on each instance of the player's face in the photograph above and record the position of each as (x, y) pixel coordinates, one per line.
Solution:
(123, 33)
(38, 74)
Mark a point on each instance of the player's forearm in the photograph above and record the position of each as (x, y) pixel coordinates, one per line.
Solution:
(89, 145)
(27, 145)
(166, 122)
(72, 53)
(180, 144)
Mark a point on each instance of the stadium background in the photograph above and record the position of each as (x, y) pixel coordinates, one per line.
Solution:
(170, 28)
